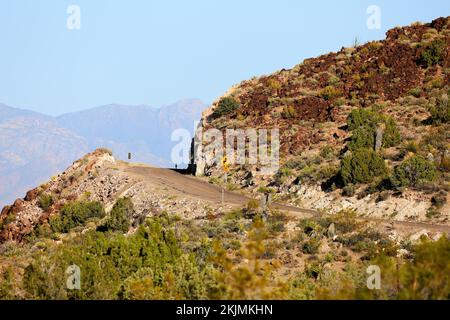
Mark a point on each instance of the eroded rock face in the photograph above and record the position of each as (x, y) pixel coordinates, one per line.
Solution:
(21, 218)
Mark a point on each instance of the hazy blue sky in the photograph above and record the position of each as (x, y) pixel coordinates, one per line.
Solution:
(156, 52)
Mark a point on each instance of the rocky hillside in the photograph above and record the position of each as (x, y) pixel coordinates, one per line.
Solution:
(366, 127)
(96, 177)
(138, 232)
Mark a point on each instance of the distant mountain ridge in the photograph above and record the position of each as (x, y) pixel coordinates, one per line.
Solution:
(34, 146)
(7, 112)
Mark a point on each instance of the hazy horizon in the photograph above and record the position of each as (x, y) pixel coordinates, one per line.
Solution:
(104, 105)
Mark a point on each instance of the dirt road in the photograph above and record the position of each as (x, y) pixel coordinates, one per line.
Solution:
(189, 186)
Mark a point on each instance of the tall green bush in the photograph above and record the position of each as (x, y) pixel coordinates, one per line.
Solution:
(362, 137)
(413, 172)
(433, 53)
(362, 117)
(391, 135)
(362, 166)
(364, 124)
(120, 216)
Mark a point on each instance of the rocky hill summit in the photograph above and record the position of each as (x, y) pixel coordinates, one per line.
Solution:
(96, 178)
(365, 128)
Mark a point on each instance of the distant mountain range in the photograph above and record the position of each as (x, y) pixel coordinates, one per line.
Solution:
(35, 146)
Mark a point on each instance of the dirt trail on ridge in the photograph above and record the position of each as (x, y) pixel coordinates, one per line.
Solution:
(192, 187)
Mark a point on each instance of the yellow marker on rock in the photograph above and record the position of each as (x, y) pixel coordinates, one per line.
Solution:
(225, 164)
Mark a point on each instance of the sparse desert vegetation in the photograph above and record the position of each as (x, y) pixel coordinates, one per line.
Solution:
(230, 257)
(363, 181)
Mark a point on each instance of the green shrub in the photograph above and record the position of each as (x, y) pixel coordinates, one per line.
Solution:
(288, 112)
(414, 171)
(45, 201)
(330, 93)
(412, 147)
(276, 227)
(226, 106)
(311, 246)
(440, 111)
(7, 284)
(427, 276)
(76, 214)
(327, 152)
(444, 166)
(314, 270)
(294, 163)
(276, 222)
(326, 172)
(391, 135)
(362, 117)
(274, 84)
(434, 53)
(264, 190)
(41, 231)
(310, 226)
(415, 92)
(362, 137)
(283, 175)
(252, 205)
(346, 221)
(148, 264)
(11, 217)
(333, 80)
(432, 212)
(423, 276)
(362, 166)
(121, 213)
(364, 124)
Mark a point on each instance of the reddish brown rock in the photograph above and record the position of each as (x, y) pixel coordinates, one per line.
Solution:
(5, 212)
(32, 195)
(17, 206)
